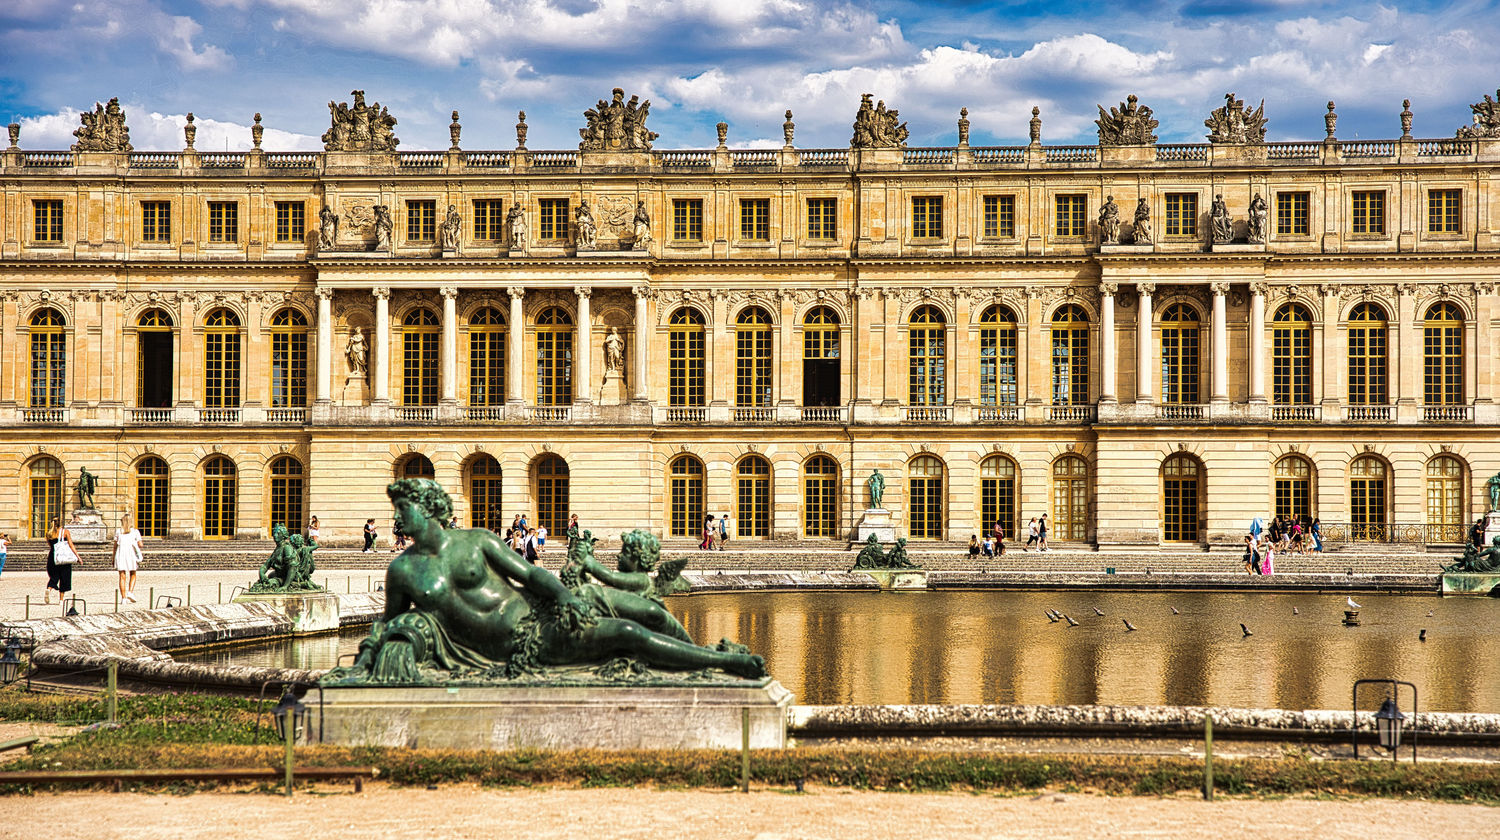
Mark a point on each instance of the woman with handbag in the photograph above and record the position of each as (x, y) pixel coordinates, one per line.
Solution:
(61, 555)
(128, 557)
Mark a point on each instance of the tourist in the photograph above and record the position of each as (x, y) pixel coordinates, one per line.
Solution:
(973, 545)
(573, 529)
(4, 547)
(1031, 535)
(541, 536)
(997, 534)
(1317, 535)
(517, 540)
(128, 557)
(398, 535)
(1252, 556)
(1041, 534)
(530, 549)
(1476, 534)
(452, 521)
(723, 535)
(707, 543)
(1267, 559)
(515, 525)
(61, 555)
(987, 548)
(312, 529)
(371, 532)
(524, 525)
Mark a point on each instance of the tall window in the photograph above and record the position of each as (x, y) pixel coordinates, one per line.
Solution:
(46, 476)
(552, 219)
(421, 220)
(927, 217)
(1070, 356)
(488, 220)
(752, 358)
(1179, 354)
(997, 494)
(49, 359)
(1368, 338)
(554, 357)
(416, 466)
(552, 494)
(927, 357)
(1293, 487)
(47, 220)
(685, 496)
(156, 221)
(1291, 355)
(223, 221)
(822, 218)
(1445, 499)
(1367, 212)
(1445, 211)
(291, 221)
(288, 359)
(1367, 495)
(997, 357)
(419, 358)
(484, 494)
(288, 489)
(1182, 215)
(1442, 355)
(154, 359)
(1070, 215)
(687, 220)
(220, 492)
(685, 359)
(221, 360)
(820, 358)
(1292, 213)
(755, 219)
(1179, 499)
(487, 358)
(752, 483)
(925, 498)
(820, 497)
(999, 217)
(1070, 499)
(151, 494)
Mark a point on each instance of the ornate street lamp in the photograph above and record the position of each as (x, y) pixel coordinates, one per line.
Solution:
(1389, 720)
(290, 701)
(1388, 723)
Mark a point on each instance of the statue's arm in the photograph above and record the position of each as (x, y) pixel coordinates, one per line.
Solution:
(536, 580)
(628, 581)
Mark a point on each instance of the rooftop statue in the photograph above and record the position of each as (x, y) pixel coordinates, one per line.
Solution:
(1236, 123)
(617, 125)
(103, 130)
(362, 128)
(877, 128)
(873, 557)
(461, 606)
(1128, 125)
(290, 566)
(1486, 119)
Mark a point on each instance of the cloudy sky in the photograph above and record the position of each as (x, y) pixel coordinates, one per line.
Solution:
(741, 61)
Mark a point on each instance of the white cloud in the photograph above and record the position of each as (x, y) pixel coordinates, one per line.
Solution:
(162, 132)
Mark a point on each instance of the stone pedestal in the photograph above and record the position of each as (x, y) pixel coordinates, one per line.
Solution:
(310, 612)
(356, 390)
(896, 580)
(87, 526)
(1471, 583)
(609, 717)
(876, 521)
(1491, 527)
(613, 391)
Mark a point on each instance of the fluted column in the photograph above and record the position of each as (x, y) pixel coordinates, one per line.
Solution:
(1145, 377)
(381, 370)
(325, 345)
(514, 332)
(1257, 343)
(1221, 344)
(448, 350)
(1107, 338)
(583, 349)
(642, 343)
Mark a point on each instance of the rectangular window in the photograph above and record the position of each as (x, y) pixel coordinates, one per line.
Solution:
(552, 219)
(47, 220)
(755, 219)
(999, 217)
(1443, 211)
(487, 219)
(1291, 213)
(1182, 215)
(822, 219)
(687, 220)
(291, 221)
(421, 221)
(1070, 215)
(288, 368)
(1367, 213)
(927, 217)
(156, 221)
(223, 221)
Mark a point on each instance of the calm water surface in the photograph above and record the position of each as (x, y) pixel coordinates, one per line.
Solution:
(998, 647)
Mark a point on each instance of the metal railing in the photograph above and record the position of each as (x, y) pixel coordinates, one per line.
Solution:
(754, 415)
(926, 414)
(1448, 413)
(286, 415)
(998, 414)
(687, 415)
(44, 415)
(1296, 413)
(1369, 413)
(148, 415)
(822, 414)
(1181, 411)
(218, 415)
(1394, 532)
(484, 413)
(1070, 413)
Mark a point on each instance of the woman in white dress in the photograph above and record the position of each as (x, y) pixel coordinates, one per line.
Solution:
(128, 557)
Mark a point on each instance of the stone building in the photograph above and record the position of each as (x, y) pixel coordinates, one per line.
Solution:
(1150, 343)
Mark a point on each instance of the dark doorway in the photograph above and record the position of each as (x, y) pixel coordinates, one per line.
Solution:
(820, 382)
(156, 369)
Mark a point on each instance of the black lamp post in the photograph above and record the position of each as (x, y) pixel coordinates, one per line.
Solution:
(1388, 723)
(290, 701)
(10, 662)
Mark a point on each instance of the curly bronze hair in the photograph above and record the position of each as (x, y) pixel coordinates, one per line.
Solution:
(641, 546)
(428, 494)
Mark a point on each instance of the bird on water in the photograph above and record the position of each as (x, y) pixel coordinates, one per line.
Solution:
(1071, 621)
(1295, 612)
(1128, 625)
(1098, 611)
(1174, 611)
(1052, 618)
(1245, 630)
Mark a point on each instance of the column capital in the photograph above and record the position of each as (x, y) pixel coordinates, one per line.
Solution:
(1406, 289)
(1219, 287)
(1109, 288)
(641, 292)
(1145, 288)
(1259, 289)
(449, 292)
(516, 292)
(381, 292)
(583, 292)
(325, 292)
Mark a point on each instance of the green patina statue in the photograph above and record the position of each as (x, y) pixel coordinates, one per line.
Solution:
(87, 484)
(873, 557)
(290, 566)
(461, 606)
(1485, 559)
(640, 554)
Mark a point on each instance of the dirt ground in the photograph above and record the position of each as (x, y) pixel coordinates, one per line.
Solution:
(820, 814)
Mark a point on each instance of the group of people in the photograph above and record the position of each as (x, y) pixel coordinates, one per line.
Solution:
(715, 532)
(62, 556)
(1288, 535)
(993, 545)
(527, 540)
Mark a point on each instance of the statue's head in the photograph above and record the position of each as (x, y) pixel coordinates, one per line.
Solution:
(296, 541)
(639, 551)
(426, 494)
(278, 533)
(872, 540)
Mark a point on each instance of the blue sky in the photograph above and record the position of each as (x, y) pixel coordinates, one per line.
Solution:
(741, 61)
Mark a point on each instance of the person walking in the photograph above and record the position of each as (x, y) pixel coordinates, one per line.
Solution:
(4, 547)
(1476, 533)
(515, 525)
(128, 557)
(61, 555)
(532, 551)
(541, 537)
(1041, 534)
(723, 531)
(573, 529)
(313, 530)
(1317, 535)
(371, 532)
(399, 536)
(997, 534)
(1031, 535)
(1252, 555)
(707, 543)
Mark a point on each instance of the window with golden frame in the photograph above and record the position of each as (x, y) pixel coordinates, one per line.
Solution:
(997, 356)
(1070, 216)
(755, 219)
(926, 498)
(1070, 356)
(1368, 341)
(753, 340)
(487, 357)
(927, 217)
(822, 218)
(1182, 215)
(291, 221)
(1446, 510)
(1070, 499)
(220, 498)
(489, 218)
(1445, 211)
(999, 217)
(1179, 499)
(997, 495)
(288, 491)
(552, 219)
(485, 509)
(1293, 488)
(687, 220)
(156, 221)
(552, 489)
(752, 479)
(45, 479)
(820, 498)
(685, 359)
(419, 358)
(223, 221)
(49, 359)
(1367, 212)
(554, 357)
(288, 359)
(152, 492)
(1180, 335)
(927, 357)
(221, 360)
(820, 334)
(1443, 355)
(1368, 492)
(421, 220)
(47, 220)
(1292, 213)
(685, 496)
(1291, 355)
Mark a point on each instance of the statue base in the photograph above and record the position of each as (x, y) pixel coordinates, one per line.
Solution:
(1491, 527)
(876, 521)
(896, 580)
(613, 391)
(310, 612)
(1471, 583)
(684, 717)
(356, 390)
(87, 526)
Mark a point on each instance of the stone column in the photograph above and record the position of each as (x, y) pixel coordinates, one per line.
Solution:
(583, 346)
(325, 345)
(1221, 344)
(1145, 321)
(1107, 338)
(1037, 359)
(642, 342)
(448, 349)
(1257, 343)
(515, 331)
(380, 371)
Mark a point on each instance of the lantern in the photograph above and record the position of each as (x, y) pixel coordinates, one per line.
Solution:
(10, 662)
(1388, 722)
(290, 701)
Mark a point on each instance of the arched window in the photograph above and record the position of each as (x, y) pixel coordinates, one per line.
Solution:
(1368, 339)
(1180, 489)
(485, 510)
(289, 363)
(752, 358)
(220, 495)
(820, 358)
(1070, 499)
(1291, 355)
(221, 360)
(997, 494)
(1294, 497)
(927, 354)
(685, 491)
(1446, 510)
(552, 494)
(487, 359)
(419, 358)
(154, 361)
(1179, 355)
(1070, 356)
(46, 494)
(1368, 491)
(926, 498)
(49, 360)
(752, 481)
(151, 495)
(288, 489)
(685, 356)
(554, 357)
(1443, 355)
(820, 497)
(997, 358)
(416, 466)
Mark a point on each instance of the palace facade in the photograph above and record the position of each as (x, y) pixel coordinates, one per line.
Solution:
(234, 339)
